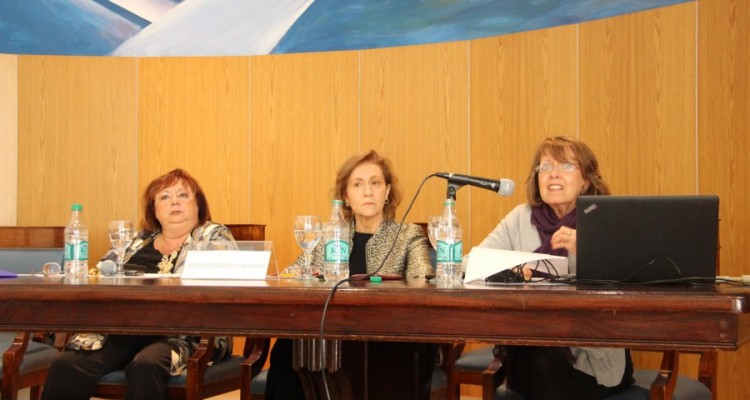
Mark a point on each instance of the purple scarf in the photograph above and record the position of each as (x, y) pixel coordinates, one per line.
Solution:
(547, 223)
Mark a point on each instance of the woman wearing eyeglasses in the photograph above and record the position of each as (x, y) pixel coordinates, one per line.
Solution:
(562, 169)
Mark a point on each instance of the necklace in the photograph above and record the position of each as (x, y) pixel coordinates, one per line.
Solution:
(166, 264)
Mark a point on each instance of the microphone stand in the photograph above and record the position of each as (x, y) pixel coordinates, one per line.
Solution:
(452, 189)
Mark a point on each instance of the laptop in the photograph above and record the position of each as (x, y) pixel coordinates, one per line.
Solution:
(647, 239)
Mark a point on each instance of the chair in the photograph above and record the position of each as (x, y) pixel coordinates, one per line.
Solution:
(199, 381)
(475, 367)
(664, 384)
(479, 367)
(25, 358)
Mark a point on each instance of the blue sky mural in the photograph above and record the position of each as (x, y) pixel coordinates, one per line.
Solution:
(252, 27)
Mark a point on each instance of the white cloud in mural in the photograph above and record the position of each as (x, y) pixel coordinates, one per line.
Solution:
(216, 27)
(150, 10)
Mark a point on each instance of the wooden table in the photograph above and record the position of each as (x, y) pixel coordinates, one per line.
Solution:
(681, 318)
(667, 318)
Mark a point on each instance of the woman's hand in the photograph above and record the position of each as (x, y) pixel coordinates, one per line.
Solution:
(564, 238)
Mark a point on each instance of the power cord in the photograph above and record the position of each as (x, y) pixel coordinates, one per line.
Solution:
(367, 276)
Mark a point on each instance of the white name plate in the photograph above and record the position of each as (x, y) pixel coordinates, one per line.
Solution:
(226, 264)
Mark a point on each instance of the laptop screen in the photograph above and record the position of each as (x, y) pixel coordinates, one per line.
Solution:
(646, 239)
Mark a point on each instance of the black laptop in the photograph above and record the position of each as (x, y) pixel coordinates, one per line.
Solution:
(647, 239)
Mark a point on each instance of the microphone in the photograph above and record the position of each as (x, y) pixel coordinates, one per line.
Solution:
(503, 187)
(107, 267)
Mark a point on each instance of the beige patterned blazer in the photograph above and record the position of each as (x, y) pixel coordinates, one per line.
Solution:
(410, 256)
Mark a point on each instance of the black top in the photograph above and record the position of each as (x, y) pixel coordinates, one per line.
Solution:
(147, 257)
(358, 257)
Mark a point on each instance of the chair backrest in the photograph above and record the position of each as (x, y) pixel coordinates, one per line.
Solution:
(24, 249)
(29, 261)
(247, 231)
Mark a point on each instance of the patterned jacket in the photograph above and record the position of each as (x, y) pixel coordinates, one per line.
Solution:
(182, 346)
(410, 256)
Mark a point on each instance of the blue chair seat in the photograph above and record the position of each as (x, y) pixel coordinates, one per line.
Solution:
(439, 380)
(686, 389)
(221, 371)
(38, 356)
(475, 361)
(258, 384)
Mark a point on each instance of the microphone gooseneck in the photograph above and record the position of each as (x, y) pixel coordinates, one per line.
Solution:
(503, 187)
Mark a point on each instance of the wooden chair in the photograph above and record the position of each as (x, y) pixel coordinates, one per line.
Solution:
(476, 367)
(199, 381)
(26, 359)
(664, 384)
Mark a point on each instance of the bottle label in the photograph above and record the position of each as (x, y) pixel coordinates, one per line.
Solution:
(77, 251)
(337, 251)
(449, 252)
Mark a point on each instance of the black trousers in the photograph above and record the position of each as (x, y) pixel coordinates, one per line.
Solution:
(395, 371)
(546, 373)
(146, 360)
(282, 381)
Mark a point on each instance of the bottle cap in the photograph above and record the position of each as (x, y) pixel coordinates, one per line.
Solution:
(337, 202)
(376, 278)
(76, 207)
(449, 202)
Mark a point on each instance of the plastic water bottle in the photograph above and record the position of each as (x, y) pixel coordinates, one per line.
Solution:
(336, 240)
(76, 245)
(449, 246)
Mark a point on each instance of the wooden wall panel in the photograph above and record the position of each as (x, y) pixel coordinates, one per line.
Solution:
(637, 94)
(415, 111)
(724, 127)
(304, 125)
(8, 138)
(194, 114)
(523, 89)
(77, 142)
(724, 118)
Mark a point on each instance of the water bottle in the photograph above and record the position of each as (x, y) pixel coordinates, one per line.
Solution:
(336, 240)
(449, 246)
(76, 245)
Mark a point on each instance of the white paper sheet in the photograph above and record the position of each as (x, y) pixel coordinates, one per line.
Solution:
(484, 262)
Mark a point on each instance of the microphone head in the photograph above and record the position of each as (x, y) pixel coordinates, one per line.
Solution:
(506, 187)
(107, 267)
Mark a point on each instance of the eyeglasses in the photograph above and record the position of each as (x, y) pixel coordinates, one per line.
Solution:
(546, 168)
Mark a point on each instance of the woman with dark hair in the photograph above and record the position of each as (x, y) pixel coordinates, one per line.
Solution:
(562, 169)
(175, 213)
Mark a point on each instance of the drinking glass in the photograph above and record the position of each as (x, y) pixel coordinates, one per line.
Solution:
(307, 232)
(432, 225)
(121, 235)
